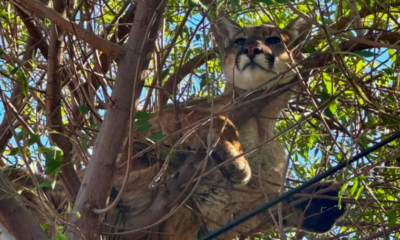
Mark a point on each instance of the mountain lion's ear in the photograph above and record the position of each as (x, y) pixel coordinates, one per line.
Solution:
(227, 29)
(298, 30)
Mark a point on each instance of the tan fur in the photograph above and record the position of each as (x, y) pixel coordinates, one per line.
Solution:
(224, 134)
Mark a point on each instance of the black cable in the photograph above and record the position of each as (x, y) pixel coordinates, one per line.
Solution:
(290, 193)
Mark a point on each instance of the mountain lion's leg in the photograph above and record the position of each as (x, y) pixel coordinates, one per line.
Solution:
(237, 169)
(223, 132)
(318, 214)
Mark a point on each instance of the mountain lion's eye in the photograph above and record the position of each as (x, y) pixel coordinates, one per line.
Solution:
(240, 41)
(272, 40)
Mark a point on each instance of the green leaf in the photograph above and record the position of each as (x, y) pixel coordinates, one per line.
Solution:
(392, 217)
(141, 122)
(354, 187)
(325, 95)
(23, 82)
(157, 137)
(69, 208)
(329, 85)
(194, 3)
(309, 48)
(44, 185)
(360, 101)
(328, 112)
(366, 53)
(33, 139)
(364, 140)
(13, 151)
(61, 236)
(144, 126)
(390, 198)
(83, 109)
(14, 71)
(144, 129)
(54, 157)
(203, 82)
(388, 71)
(359, 192)
(333, 107)
(78, 214)
(341, 192)
(54, 182)
(364, 179)
(165, 73)
(44, 226)
(187, 55)
(235, 3)
(381, 191)
(142, 115)
(22, 134)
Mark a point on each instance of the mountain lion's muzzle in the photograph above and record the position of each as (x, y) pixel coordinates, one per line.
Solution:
(254, 54)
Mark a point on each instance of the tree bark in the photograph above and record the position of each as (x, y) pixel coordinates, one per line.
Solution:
(96, 184)
(15, 217)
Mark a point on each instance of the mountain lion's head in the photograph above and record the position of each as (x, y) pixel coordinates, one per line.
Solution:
(254, 56)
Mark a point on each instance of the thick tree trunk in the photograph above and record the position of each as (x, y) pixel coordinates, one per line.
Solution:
(96, 184)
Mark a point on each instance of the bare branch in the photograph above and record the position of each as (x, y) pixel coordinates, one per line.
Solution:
(352, 45)
(17, 97)
(340, 34)
(53, 104)
(41, 10)
(186, 69)
(386, 233)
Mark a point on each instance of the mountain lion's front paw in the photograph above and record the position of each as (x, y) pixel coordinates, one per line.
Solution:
(237, 171)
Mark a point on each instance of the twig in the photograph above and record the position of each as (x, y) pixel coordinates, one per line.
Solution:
(41, 10)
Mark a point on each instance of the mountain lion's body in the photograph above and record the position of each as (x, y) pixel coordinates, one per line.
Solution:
(253, 58)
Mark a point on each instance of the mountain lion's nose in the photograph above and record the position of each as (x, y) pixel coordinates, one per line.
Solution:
(251, 51)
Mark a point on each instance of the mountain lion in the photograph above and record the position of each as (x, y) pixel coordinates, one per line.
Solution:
(254, 58)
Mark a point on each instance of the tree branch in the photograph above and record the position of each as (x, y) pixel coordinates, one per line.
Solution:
(186, 69)
(41, 10)
(34, 31)
(53, 103)
(17, 97)
(96, 184)
(321, 59)
(364, 11)
(386, 233)
(15, 217)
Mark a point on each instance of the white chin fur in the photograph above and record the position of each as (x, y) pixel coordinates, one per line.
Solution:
(253, 77)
